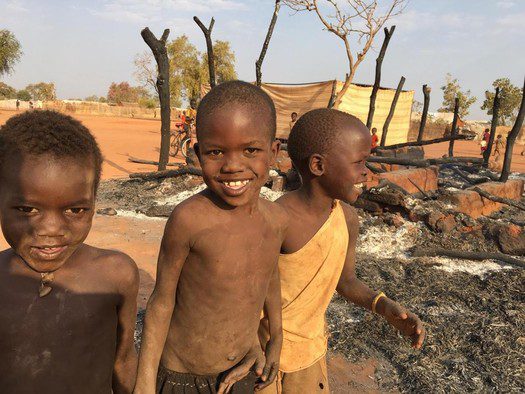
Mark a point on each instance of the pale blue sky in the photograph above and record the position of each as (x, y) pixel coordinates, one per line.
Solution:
(83, 46)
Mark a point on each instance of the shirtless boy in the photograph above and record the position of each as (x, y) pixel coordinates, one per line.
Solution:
(329, 148)
(68, 309)
(217, 265)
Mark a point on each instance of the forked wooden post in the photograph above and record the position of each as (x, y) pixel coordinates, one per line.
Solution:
(209, 47)
(453, 131)
(511, 139)
(158, 47)
(258, 63)
(377, 81)
(493, 125)
(392, 109)
(426, 95)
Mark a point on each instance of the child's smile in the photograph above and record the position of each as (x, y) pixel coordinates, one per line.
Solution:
(235, 152)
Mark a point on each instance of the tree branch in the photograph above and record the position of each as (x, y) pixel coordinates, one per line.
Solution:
(258, 63)
(209, 47)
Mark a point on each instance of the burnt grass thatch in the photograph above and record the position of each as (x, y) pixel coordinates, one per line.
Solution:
(475, 328)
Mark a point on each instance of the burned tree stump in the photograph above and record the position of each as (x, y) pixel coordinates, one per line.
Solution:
(494, 123)
(511, 139)
(392, 109)
(377, 81)
(258, 63)
(158, 47)
(209, 48)
(426, 95)
(453, 131)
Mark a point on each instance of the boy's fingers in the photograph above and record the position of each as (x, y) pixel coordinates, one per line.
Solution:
(259, 365)
(271, 377)
(266, 372)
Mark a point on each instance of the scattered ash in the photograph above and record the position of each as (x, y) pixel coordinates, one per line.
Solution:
(475, 327)
(155, 198)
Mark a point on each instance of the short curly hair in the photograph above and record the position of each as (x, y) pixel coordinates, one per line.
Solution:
(238, 92)
(316, 132)
(42, 132)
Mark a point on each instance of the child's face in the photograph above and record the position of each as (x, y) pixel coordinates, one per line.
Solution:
(294, 116)
(46, 208)
(345, 164)
(235, 152)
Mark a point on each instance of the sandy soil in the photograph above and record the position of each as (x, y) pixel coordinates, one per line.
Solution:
(119, 139)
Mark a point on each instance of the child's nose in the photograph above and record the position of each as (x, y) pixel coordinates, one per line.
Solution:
(233, 163)
(51, 225)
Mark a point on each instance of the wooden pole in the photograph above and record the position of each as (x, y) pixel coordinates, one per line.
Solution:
(421, 143)
(333, 95)
(423, 162)
(511, 138)
(453, 131)
(392, 109)
(495, 110)
(377, 81)
(258, 63)
(426, 95)
(158, 47)
(209, 47)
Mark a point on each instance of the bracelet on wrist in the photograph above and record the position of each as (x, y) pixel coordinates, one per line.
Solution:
(375, 301)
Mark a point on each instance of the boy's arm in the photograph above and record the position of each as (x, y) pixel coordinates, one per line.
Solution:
(273, 309)
(359, 293)
(125, 367)
(174, 250)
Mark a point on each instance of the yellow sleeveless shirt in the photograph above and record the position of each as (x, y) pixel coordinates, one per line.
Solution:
(309, 278)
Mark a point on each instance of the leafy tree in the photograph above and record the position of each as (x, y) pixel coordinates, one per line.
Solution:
(185, 70)
(10, 51)
(93, 97)
(6, 91)
(189, 68)
(224, 63)
(510, 99)
(123, 92)
(452, 89)
(23, 95)
(42, 91)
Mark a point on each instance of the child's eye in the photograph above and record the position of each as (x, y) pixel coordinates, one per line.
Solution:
(27, 209)
(252, 151)
(76, 211)
(215, 152)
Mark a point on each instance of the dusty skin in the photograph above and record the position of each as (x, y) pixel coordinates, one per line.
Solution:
(78, 338)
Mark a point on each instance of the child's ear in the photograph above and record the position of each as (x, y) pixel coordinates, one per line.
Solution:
(274, 149)
(197, 150)
(316, 164)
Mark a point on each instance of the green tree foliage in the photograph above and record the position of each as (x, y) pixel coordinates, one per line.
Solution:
(189, 68)
(224, 63)
(510, 99)
(7, 92)
(450, 91)
(42, 91)
(123, 92)
(10, 51)
(23, 95)
(93, 97)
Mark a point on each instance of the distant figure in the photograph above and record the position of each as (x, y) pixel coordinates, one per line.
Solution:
(17, 104)
(30, 105)
(485, 141)
(294, 119)
(499, 145)
(375, 138)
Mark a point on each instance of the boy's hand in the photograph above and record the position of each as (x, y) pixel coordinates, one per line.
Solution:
(406, 322)
(254, 360)
(271, 367)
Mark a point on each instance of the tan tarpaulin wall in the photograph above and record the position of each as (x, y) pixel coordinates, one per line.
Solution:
(302, 98)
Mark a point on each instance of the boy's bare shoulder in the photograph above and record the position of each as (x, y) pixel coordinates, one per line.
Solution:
(114, 265)
(190, 211)
(277, 212)
(352, 219)
(287, 200)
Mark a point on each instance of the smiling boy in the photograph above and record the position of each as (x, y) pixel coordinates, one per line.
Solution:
(68, 309)
(217, 265)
